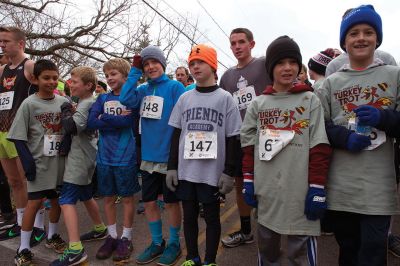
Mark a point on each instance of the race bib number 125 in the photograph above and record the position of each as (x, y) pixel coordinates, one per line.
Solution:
(6, 100)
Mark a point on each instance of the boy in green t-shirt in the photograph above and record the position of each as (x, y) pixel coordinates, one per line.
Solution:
(36, 132)
(285, 160)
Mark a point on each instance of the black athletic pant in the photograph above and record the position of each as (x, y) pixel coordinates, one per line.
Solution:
(362, 238)
(5, 200)
(191, 228)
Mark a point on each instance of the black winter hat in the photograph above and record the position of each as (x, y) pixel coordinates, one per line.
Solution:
(281, 48)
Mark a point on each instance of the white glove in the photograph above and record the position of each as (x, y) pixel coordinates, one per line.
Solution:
(225, 184)
(172, 179)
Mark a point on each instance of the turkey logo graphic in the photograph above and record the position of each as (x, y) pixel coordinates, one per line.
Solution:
(284, 120)
(8, 83)
(372, 98)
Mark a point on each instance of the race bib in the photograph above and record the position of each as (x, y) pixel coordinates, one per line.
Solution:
(272, 141)
(51, 145)
(377, 139)
(200, 145)
(6, 100)
(244, 96)
(114, 108)
(152, 107)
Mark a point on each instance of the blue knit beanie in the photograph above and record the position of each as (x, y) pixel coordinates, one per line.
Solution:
(360, 15)
(153, 52)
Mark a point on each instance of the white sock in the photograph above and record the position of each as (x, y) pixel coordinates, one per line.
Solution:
(127, 232)
(112, 230)
(39, 219)
(25, 239)
(20, 214)
(53, 229)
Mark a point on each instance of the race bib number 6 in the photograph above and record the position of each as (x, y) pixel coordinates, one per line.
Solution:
(152, 107)
(51, 145)
(271, 142)
(6, 100)
(200, 145)
(114, 108)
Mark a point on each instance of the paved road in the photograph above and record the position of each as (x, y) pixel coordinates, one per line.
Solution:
(243, 255)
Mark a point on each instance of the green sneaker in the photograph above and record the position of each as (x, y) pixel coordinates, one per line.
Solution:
(170, 255)
(192, 262)
(151, 253)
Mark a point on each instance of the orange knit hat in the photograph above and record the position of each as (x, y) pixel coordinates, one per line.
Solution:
(204, 53)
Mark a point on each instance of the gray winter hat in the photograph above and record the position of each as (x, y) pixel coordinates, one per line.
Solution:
(154, 52)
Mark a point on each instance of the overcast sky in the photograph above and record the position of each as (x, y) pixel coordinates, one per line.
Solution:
(314, 25)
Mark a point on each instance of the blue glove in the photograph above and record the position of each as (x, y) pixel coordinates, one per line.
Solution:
(315, 203)
(357, 142)
(368, 115)
(248, 192)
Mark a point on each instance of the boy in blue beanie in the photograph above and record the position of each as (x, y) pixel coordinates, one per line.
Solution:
(156, 100)
(362, 119)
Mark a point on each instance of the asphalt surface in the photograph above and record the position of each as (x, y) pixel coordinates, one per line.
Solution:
(244, 255)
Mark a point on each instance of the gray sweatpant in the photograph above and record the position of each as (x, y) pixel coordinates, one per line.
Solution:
(301, 250)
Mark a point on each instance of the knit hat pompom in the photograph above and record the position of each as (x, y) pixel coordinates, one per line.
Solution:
(360, 15)
(281, 48)
(319, 62)
(204, 53)
(154, 52)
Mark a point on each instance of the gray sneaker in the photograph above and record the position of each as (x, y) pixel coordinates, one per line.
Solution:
(236, 239)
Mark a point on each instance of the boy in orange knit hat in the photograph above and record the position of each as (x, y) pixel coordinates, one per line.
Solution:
(206, 125)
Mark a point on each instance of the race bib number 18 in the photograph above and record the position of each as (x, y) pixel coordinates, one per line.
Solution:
(200, 145)
(6, 100)
(271, 142)
(51, 145)
(152, 107)
(244, 96)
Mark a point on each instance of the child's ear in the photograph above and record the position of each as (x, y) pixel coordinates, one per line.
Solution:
(33, 79)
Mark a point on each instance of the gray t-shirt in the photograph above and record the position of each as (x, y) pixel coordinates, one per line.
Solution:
(343, 59)
(362, 182)
(213, 114)
(253, 74)
(81, 160)
(281, 184)
(38, 122)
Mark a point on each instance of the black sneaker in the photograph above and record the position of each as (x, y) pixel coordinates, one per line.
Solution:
(70, 257)
(93, 235)
(23, 258)
(7, 222)
(38, 235)
(10, 233)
